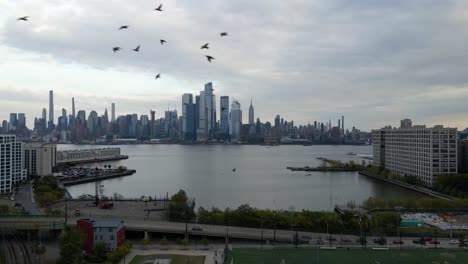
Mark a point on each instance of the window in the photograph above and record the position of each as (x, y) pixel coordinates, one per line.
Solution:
(111, 237)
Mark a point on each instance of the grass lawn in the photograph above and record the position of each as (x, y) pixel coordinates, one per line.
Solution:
(299, 256)
(176, 259)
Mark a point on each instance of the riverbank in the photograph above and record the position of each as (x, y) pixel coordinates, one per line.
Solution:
(97, 178)
(419, 189)
(307, 168)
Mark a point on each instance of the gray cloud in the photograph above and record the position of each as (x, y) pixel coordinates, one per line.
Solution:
(373, 61)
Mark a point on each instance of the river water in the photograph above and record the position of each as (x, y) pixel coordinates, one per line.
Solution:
(261, 179)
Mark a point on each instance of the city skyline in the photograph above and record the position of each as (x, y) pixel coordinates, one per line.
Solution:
(386, 71)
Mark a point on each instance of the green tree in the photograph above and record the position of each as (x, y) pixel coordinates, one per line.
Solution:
(145, 242)
(180, 209)
(163, 241)
(70, 247)
(99, 254)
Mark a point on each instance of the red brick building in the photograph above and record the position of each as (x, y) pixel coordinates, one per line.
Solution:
(109, 232)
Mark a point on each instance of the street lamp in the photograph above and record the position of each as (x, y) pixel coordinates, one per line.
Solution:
(261, 228)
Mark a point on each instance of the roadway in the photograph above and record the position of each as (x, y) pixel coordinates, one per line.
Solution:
(215, 231)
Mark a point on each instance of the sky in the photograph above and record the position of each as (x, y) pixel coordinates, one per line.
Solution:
(375, 62)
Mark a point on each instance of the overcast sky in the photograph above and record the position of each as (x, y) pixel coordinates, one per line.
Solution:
(375, 62)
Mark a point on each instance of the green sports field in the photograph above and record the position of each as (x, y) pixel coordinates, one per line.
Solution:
(358, 256)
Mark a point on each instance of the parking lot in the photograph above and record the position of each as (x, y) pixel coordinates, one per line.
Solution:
(122, 210)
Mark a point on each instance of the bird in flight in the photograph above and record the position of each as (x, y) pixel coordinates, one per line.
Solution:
(115, 49)
(162, 41)
(137, 49)
(123, 27)
(158, 76)
(209, 58)
(205, 46)
(223, 34)
(234, 170)
(25, 18)
(159, 8)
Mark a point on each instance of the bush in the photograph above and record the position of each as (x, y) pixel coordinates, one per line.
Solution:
(145, 242)
(119, 253)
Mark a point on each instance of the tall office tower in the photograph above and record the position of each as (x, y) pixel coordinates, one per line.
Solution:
(92, 124)
(236, 121)
(81, 116)
(133, 125)
(342, 123)
(416, 151)
(339, 124)
(210, 104)
(113, 113)
(251, 114)
(64, 120)
(44, 114)
(406, 123)
(315, 124)
(277, 122)
(202, 118)
(13, 121)
(4, 129)
(51, 109)
(187, 102)
(152, 124)
(224, 124)
(11, 163)
(105, 114)
(21, 121)
(73, 107)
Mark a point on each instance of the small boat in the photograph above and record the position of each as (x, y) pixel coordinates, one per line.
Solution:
(351, 153)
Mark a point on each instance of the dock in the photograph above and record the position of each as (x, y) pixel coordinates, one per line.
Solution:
(98, 178)
(307, 168)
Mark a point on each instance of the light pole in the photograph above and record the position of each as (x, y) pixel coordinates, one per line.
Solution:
(261, 232)
(274, 226)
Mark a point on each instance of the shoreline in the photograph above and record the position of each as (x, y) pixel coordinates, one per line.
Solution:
(100, 178)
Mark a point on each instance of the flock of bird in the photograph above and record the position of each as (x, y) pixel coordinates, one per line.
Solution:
(161, 41)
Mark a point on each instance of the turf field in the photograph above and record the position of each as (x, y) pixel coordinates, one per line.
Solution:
(176, 259)
(299, 256)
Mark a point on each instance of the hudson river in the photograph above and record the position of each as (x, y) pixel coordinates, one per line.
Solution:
(261, 179)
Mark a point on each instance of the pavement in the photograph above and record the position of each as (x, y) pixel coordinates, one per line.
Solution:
(26, 198)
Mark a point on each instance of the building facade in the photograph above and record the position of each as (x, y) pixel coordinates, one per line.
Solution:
(39, 159)
(236, 121)
(224, 117)
(416, 151)
(86, 154)
(11, 163)
(111, 233)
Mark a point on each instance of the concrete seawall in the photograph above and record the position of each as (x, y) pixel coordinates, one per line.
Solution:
(121, 157)
(422, 190)
(99, 178)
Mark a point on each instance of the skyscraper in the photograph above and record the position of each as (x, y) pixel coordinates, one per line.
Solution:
(342, 123)
(206, 113)
(187, 101)
(13, 121)
(251, 114)
(44, 114)
(51, 109)
(406, 123)
(73, 107)
(21, 121)
(113, 113)
(236, 121)
(277, 122)
(224, 124)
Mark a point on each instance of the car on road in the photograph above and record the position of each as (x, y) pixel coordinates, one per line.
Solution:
(18, 205)
(398, 242)
(434, 242)
(454, 242)
(197, 228)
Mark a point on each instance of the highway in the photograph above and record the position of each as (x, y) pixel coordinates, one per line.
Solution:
(210, 230)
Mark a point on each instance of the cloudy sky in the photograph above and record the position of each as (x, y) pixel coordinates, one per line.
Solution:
(375, 62)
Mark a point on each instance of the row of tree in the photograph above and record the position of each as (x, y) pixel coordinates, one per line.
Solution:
(454, 185)
(47, 190)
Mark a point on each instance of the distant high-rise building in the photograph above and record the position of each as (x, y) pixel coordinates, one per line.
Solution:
(342, 123)
(207, 113)
(4, 129)
(251, 114)
(92, 124)
(224, 122)
(236, 121)
(51, 109)
(188, 117)
(73, 107)
(339, 124)
(406, 123)
(187, 101)
(44, 114)
(13, 121)
(81, 116)
(21, 121)
(113, 113)
(11, 163)
(278, 122)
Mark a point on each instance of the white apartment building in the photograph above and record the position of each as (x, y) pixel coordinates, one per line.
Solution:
(11, 163)
(39, 159)
(416, 151)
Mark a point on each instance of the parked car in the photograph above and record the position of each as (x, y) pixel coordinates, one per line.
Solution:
(454, 242)
(427, 239)
(197, 228)
(400, 242)
(106, 205)
(434, 242)
(77, 212)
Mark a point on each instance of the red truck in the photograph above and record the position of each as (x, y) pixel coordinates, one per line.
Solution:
(106, 205)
